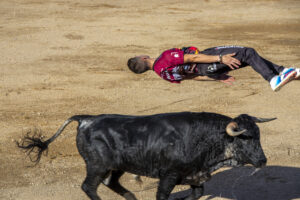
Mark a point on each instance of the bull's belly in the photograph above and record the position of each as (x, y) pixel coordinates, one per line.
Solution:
(143, 168)
(154, 168)
(153, 164)
(155, 171)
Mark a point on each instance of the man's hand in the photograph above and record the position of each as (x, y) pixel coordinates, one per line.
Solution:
(230, 61)
(225, 78)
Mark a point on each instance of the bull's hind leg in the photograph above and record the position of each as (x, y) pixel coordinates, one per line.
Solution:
(93, 178)
(115, 185)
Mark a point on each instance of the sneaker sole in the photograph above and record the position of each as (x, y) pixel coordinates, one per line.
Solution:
(290, 77)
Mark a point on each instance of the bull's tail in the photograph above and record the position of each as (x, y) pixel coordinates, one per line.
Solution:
(36, 144)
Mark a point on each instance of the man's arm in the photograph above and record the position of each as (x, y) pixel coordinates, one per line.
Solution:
(227, 59)
(201, 58)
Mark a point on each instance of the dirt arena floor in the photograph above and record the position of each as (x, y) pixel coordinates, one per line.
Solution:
(61, 57)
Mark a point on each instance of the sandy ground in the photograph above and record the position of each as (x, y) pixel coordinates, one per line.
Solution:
(60, 58)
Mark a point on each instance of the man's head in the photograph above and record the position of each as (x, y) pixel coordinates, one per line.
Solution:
(138, 64)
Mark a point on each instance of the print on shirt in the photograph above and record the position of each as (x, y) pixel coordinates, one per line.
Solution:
(175, 54)
(212, 68)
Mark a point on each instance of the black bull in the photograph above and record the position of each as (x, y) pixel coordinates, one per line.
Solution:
(178, 148)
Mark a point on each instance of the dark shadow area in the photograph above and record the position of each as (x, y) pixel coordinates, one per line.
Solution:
(269, 183)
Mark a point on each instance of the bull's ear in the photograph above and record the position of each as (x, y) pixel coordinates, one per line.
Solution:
(262, 120)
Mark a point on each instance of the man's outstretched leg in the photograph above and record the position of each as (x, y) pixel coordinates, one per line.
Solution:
(264, 67)
(276, 75)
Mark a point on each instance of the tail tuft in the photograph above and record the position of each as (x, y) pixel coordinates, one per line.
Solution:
(33, 143)
(36, 144)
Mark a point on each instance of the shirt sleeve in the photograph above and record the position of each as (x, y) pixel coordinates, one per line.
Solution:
(190, 50)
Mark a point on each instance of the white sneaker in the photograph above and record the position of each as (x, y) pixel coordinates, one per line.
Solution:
(298, 73)
(286, 76)
(296, 69)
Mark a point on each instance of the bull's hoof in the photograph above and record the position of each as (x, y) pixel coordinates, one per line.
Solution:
(129, 196)
(138, 179)
(190, 198)
(186, 198)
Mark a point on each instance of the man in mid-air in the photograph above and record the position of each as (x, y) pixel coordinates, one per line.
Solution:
(176, 64)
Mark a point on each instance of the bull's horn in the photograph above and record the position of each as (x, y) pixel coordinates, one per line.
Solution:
(230, 129)
(262, 120)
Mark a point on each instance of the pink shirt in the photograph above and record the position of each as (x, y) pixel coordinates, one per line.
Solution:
(169, 64)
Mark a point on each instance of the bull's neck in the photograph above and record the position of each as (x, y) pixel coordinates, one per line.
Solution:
(223, 158)
(219, 151)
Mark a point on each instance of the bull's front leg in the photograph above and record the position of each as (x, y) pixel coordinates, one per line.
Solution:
(197, 192)
(198, 188)
(196, 182)
(166, 185)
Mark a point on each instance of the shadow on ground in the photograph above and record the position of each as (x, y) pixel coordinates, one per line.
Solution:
(269, 183)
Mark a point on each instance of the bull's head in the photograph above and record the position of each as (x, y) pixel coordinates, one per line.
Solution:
(245, 147)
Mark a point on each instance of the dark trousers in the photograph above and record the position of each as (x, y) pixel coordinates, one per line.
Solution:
(247, 56)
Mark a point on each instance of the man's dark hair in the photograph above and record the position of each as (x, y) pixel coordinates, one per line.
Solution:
(137, 65)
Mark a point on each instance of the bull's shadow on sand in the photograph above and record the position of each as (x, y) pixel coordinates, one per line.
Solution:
(269, 183)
